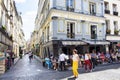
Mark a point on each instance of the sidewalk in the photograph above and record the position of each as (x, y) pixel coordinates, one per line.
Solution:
(111, 72)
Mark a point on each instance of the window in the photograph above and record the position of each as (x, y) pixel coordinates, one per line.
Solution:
(106, 6)
(107, 24)
(107, 11)
(70, 5)
(114, 7)
(71, 30)
(115, 10)
(93, 32)
(116, 31)
(92, 9)
(108, 31)
(115, 25)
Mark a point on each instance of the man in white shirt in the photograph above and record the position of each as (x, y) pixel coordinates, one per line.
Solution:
(62, 58)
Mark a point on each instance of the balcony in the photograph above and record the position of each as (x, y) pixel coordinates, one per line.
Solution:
(115, 13)
(107, 11)
(71, 35)
(93, 13)
(94, 36)
(70, 9)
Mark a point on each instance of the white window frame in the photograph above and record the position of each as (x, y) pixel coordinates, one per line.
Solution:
(90, 24)
(91, 8)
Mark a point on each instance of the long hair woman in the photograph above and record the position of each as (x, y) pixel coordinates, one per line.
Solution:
(75, 63)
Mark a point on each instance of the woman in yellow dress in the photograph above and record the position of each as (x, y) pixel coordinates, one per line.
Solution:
(75, 63)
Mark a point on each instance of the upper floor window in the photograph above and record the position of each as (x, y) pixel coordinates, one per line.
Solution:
(107, 11)
(108, 31)
(115, 25)
(107, 24)
(71, 30)
(114, 7)
(70, 5)
(115, 10)
(92, 8)
(106, 6)
(93, 32)
(116, 31)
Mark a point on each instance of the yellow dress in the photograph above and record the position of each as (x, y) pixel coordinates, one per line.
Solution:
(75, 65)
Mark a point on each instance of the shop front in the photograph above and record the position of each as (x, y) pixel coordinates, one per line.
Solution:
(97, 45)
(57, 46)
(114, 40)
(5, 51)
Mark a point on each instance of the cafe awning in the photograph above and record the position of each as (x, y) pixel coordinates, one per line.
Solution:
(73, 43)
(97, 42)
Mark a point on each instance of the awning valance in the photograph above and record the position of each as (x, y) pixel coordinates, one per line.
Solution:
(114, 40)
(97, 42)
(73, 43)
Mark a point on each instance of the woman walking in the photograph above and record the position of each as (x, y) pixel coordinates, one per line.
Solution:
(88, 62)
(75, 63)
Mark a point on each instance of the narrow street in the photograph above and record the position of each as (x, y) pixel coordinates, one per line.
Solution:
(24, 70)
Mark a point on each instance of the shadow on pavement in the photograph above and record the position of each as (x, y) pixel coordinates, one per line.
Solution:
(71, 78)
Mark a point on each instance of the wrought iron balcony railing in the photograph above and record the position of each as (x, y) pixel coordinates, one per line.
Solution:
(107, 11)
(71, 35)
(115, 13)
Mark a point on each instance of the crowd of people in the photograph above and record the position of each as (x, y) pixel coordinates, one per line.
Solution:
(88, 60)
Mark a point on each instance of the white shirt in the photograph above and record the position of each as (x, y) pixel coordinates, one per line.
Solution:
(75, 57)
(86, 57)
(62, 57)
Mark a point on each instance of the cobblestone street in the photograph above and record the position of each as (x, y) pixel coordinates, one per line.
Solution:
(24, 70)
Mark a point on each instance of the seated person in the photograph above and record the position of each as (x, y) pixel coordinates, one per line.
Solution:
(48, 62)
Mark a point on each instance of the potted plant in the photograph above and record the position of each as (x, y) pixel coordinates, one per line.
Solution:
(116, 32)
(3, 27)
(108, 31)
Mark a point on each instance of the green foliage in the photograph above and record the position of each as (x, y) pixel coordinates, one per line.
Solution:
(116, 32)
(108, 31)
(3, 27)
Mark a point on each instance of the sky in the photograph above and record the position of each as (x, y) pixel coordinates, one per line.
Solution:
(28, 8)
